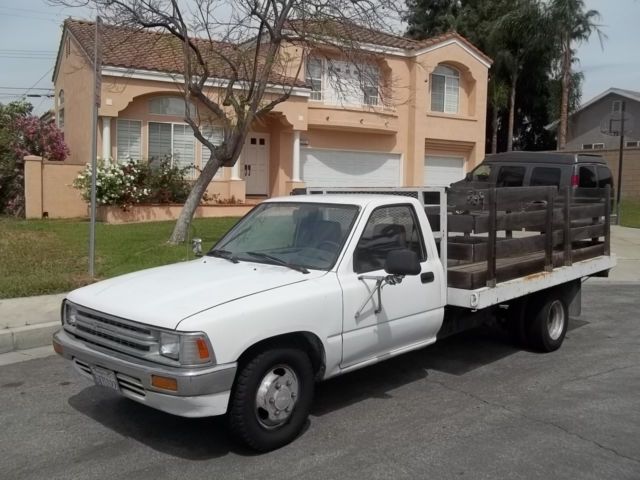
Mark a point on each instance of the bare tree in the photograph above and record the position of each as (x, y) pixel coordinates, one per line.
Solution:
(241, 58)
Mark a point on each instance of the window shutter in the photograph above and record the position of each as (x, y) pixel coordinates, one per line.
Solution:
(183, 146)
(129, 141)
(159, 141)
(452, 89)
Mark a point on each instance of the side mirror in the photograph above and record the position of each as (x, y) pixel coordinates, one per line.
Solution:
(196, 247)
(402, 262)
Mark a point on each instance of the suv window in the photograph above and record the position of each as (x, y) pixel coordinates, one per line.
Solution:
(604, 177)
(481, 173)
(542, 176)
(388, 229)
(510, 176)
(587, 177)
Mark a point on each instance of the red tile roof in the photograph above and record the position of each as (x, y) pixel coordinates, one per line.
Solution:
(142, 49)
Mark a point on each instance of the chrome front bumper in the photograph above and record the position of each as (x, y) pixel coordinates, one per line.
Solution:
(202, 391)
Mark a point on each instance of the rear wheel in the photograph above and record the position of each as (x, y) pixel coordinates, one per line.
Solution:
(546, 331)
(271, 398)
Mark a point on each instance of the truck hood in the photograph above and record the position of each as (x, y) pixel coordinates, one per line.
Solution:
(164, 296)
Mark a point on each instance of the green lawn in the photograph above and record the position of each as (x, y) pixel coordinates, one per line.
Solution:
(50, 256)
(630, 213)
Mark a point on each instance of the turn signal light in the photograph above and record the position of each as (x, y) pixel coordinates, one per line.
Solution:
(57, 347)
(203, 349)
(166, 383)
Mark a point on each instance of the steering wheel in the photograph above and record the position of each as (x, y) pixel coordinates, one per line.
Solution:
(332, 245)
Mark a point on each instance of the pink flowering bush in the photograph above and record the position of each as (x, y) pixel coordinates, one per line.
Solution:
(35, 137)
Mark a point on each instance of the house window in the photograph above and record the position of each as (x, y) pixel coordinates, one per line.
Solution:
(343, 83)
(632, 144)
(616, 106)
(445, 89)
(129, 140)
(60, 119)
(173, 143)
(314, 77)
(170, 106)
(593, 146)
(215, 135)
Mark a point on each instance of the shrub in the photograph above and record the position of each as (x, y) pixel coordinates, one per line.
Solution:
(167, 183)
(116, 184)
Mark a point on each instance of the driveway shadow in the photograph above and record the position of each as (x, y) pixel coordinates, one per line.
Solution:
(188, 438)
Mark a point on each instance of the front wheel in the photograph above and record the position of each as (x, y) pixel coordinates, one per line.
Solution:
(271, 398)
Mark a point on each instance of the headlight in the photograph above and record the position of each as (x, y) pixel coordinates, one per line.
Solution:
(69, 314)
(170, 345)
(187, 348)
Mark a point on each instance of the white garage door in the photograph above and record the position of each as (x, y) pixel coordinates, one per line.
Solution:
(339, 168)
(440, 171)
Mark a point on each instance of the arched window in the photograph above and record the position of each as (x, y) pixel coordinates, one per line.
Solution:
(170, 106)
(61, 98)
(445, 89)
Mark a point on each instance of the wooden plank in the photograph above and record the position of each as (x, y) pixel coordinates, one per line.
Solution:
(588, 231)
(491, 245)
(548, 258)
(607, 221)
(567, 226)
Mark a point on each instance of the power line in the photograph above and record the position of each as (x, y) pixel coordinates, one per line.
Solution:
(39, 80)
(22, 88)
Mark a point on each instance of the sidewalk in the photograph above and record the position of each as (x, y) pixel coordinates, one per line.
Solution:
(625, 244)
(28, 322)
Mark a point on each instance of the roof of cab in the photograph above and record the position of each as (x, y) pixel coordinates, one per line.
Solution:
(544, 157)
(361, 200)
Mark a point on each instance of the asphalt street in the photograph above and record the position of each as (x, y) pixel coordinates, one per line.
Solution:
(471, 406)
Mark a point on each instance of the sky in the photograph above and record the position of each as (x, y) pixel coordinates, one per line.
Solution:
(30, 32)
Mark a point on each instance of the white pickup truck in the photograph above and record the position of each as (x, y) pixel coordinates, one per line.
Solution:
(302, 289)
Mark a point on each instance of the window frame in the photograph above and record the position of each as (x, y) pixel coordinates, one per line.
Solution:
(316, 95)
(424, 256)
(595, 175)
(447, 77)
(118, 120)
(616, 106)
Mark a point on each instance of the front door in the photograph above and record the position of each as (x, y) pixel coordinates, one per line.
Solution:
(255, 159)
(411, 311)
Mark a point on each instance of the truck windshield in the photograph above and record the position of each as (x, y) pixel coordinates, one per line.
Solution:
(307, 235)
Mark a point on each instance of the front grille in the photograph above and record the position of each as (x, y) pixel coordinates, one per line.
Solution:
(114, 333)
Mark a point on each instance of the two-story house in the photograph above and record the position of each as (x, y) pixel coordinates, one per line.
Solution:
(431, 132)
(589, 124)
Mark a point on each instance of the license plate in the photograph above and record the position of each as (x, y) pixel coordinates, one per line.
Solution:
(105, 378)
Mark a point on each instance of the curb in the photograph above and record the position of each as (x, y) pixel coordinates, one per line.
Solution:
(30, 336)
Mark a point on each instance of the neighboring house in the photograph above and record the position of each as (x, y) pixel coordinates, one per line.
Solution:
(432, 131)
(586, 123)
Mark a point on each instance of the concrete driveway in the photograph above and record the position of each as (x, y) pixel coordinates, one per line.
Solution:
(625, 243)
(469, 407)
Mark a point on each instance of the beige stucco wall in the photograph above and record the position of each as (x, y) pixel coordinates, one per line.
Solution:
(75, 78)
(49, 191)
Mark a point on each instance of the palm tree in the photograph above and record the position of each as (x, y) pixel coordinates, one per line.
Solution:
(519, 33)
(572, 25)
(498, 93)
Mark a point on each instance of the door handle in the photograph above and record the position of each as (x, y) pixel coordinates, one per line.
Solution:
(426, 277)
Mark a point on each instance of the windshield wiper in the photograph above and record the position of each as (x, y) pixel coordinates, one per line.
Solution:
(226, 254)
(278, 261)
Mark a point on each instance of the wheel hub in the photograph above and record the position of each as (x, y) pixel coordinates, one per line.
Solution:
(555, 320)
(276, 397)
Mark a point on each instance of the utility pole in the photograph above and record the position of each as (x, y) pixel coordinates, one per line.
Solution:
(620, 157)
(94, 147)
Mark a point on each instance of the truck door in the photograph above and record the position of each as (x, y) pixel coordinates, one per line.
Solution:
(411, 311)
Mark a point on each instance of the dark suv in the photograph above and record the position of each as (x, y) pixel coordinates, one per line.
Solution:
(518, 169)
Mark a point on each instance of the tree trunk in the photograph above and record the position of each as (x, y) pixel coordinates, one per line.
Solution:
(494, 130)
(179, 234)
(512, 112)
(566, 86)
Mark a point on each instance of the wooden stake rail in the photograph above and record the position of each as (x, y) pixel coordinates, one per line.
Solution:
(559, 229)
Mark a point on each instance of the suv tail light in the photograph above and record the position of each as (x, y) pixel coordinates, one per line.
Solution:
(575, 180)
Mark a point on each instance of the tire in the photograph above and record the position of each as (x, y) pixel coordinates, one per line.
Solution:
(545, 332)
(271, 398)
